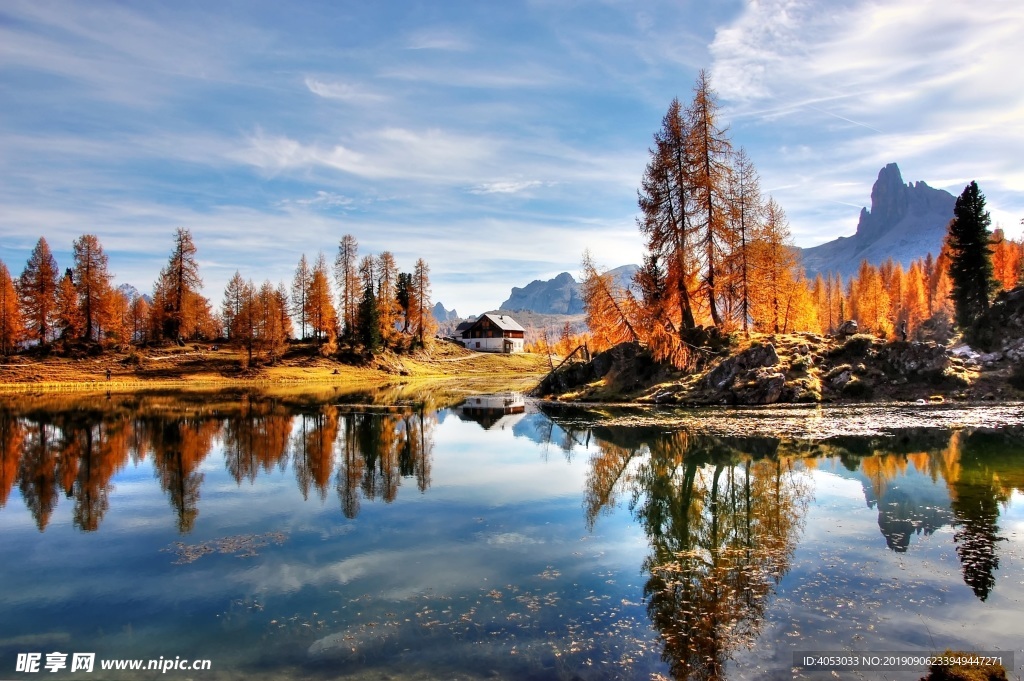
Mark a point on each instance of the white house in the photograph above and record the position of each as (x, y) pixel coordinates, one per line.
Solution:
(494, 332)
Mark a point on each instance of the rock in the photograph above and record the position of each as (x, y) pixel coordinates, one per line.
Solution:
(764, 386)
(753, 357)
(916, 359)
(904, 221)
(847, 328)
(964, 352)
(665, 396)
(839, 381)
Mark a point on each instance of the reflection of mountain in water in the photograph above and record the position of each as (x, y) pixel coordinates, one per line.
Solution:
(916, 505)
(919, 479)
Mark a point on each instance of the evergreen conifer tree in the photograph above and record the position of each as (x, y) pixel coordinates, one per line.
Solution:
(970, 265)
(369, 321)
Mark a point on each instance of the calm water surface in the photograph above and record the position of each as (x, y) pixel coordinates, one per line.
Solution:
(402, 535)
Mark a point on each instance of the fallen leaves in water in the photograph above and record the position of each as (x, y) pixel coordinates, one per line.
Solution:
(242, 545)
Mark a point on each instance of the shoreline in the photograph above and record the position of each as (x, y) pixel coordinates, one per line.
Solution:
(205, 369)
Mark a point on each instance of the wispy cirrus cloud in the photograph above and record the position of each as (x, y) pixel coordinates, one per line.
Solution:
(919, 82)
(505, 186)
(428, 155)
(439, 38)
(346, 92)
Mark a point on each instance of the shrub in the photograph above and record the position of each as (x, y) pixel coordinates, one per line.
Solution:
(857, 389)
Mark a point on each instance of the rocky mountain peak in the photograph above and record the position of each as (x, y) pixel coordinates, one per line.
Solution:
(560, 295)
(905, 222)
(889, 203)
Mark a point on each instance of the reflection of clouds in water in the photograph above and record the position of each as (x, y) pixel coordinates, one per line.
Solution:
(512, 539)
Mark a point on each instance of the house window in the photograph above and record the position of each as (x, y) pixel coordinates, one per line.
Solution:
(478, 345)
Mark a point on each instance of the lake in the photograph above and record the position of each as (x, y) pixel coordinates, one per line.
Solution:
(406, 533)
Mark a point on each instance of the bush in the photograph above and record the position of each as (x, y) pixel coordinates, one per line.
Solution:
(854, 348)
(857, 389)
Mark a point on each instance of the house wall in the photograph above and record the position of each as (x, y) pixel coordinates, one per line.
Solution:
(493, 344)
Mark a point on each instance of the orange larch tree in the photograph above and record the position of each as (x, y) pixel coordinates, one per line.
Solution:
(181, 284)
(37, 289)
(387, 297)
(915, 300)
(69, 316)
(666, 205)
(869, 301)
(92, 280)
(609, 308)
(11, 328)
(711, 151)
(321, 313)
(774, 270)
(1006, 260)
(346, 277)
(424, 324)
(118, 325)
(138, 318)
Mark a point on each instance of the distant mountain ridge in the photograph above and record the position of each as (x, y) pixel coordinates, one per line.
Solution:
(905, 222)
(560, 295)
(444, 315)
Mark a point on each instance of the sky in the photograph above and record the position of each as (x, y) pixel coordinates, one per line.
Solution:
(495, 140)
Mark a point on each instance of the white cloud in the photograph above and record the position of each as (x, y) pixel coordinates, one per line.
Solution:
(923, 83)
(324, 199)
(431, 155)
(444, 39)
(345, 92)
(505, 186)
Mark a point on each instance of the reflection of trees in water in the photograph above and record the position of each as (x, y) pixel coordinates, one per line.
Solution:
(378, 449)
(37, 472)
(990, 471)
(12, 433)
(256, 439)
(722, 518)
(78, 449)
(722, 522)
(722, 535)
(179, 446)
(313, 450)
(979, 470)
(101, 450)
(76, 453)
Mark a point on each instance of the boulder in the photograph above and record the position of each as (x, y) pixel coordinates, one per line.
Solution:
(916, 359)
(759, 386)
(847, 329)
(756, 356)
(839, 381)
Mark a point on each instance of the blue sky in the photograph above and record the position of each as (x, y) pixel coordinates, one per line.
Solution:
(496, 140)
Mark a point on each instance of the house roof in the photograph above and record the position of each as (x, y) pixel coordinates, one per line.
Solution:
(502, 321)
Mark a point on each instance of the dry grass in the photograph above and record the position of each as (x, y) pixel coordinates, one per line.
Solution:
(203, 367)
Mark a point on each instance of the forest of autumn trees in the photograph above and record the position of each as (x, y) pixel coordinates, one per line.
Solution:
(719, 254)
(376, 306)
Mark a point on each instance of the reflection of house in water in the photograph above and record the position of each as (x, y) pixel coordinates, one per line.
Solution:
(498, 409)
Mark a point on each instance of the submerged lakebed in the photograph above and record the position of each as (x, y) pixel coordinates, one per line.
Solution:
(431, 534)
